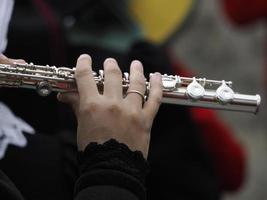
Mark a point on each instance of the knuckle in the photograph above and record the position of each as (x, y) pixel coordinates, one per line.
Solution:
(89, 107)
(134, 115)
(147, 127)
(156, 97)
(157, 100)
(137, 66)
(80, 72)
(140, 81)
(114, 108)
(141, 76)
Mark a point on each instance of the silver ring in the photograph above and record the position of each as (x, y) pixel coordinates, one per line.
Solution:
(136, 92)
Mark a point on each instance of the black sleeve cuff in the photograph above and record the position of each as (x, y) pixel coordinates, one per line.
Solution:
(112, 163)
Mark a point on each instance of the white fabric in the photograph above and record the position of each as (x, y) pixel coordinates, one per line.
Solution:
(11, 126)
(11, 130)
(6, 8)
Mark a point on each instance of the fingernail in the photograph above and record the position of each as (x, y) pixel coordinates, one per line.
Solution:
(84, 56)
(136, 62)
(137, 65)
(20, 61)
(110, 60)
(157, 74)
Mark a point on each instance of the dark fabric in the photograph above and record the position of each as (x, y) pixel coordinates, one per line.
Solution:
(180, 165)
(103, 192)
(116, 164)
(45, 169)
(117, 155)
(108, 172)
(153, 57)
(8, 191)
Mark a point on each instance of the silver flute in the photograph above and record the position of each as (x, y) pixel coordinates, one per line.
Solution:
(199, 92)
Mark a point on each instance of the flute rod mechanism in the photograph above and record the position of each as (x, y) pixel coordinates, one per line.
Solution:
(199, 92)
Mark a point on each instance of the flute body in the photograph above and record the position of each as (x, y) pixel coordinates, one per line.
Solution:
(199, 92)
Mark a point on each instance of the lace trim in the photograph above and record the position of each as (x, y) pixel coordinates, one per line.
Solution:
(113, 155)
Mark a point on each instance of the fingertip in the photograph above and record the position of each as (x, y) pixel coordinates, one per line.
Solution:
(20, 61)
(110, 60)
(67, 97)
(136, 69)
(59, 97)
(2, 56)
(157, 74)
(136, 62)
(156, 85)
(110, 63)
(137, 65)
(155, 96)
(84, 60)
(84, 56)
(84, 63)
(156, 77)
(62, 98)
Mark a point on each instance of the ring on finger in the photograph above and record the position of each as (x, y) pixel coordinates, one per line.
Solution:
(137, 92)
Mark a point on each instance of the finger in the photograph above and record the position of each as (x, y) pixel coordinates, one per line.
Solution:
(84, 78)
(70, 98)
(137, 83)
(6, 60)
(113, 79)
(3, 58)
(155, 96)
(20, 61)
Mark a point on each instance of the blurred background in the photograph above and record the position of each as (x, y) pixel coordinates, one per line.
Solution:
(215, 48)
(202, 36)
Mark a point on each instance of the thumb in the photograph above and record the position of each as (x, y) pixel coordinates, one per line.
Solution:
(70, 98)
(6, 60)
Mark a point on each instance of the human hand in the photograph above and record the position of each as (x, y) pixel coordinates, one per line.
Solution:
(6, 60)
(110, 115)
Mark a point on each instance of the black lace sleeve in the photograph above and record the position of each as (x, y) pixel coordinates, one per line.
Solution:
(112, 164)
